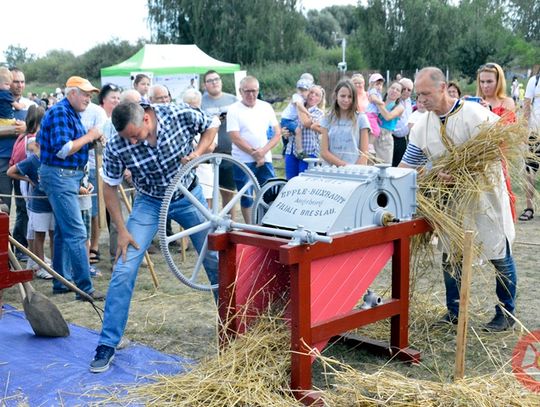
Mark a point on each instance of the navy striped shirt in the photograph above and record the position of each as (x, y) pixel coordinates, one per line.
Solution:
(61, 125)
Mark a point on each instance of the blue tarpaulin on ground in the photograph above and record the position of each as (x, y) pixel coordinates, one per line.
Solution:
(54, 371)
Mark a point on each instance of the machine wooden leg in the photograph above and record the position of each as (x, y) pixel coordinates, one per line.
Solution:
(300, 328)
(228, 313)
(399, 324)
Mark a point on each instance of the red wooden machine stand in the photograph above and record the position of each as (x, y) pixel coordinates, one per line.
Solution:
(9, 277)
(324, 283)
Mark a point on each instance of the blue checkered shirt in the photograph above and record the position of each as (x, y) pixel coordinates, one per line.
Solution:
(310, 138)
(153, 167)
(61, 125)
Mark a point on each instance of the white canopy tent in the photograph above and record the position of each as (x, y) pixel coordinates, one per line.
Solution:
(175, 66)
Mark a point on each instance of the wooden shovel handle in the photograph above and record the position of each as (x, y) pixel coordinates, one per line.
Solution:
(45, 266)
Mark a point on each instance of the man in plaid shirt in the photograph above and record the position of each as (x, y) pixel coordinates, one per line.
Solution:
(64, 145)
(153, 142)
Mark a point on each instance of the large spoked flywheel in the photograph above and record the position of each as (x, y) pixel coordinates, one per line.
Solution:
(212, 216)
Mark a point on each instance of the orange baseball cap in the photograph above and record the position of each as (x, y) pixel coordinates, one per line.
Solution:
(81, 83)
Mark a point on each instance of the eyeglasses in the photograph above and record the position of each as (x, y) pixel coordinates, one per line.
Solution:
(406, 89)
(250, 90)
(214, 80)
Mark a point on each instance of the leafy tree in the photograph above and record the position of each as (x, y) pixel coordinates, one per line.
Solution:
(483, 35)
(106, 54)
(54, 68)
(420, 33)
(266, 30)
(345, 16)
(372, 36)
(16, 55)
(524, 18)
(323, 27)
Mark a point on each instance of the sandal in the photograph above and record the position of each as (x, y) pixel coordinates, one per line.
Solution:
(528, 214)
(94, 256)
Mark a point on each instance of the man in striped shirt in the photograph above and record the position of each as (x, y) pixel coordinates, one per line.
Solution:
(450, 121)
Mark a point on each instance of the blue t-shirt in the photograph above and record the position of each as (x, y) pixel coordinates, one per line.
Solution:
(7, 142)
(6, 109)
(30, 168)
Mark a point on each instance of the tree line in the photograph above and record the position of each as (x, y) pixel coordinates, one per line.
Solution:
(402, 34)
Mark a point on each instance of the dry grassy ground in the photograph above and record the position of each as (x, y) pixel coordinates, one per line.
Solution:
(175, 319)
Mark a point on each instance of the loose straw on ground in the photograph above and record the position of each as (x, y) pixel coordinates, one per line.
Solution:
(252, 371)
(385, 387)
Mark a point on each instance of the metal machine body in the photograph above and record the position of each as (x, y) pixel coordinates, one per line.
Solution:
(334, 200)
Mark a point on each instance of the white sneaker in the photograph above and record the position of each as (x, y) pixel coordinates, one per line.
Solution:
(31, 264)
(124, 343)
(41, 273)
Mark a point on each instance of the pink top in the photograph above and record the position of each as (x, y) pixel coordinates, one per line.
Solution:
(362, 102)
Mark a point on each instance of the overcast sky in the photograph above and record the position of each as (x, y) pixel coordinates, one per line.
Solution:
(77, 25)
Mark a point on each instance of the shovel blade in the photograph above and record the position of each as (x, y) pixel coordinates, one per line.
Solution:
(44, 317)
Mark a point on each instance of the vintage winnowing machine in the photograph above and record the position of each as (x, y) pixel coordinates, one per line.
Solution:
(367, 212)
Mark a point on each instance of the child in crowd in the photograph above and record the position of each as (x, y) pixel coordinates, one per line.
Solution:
(289, 117)
(40, 214)
(204, 172)
(7, 102)
(375, 97)
(85, 202)
(344, 132)
(141, 83)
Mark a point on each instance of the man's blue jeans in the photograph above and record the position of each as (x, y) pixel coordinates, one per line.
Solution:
(506, 281)
(70, 256)
(143, 225)
(262, 173)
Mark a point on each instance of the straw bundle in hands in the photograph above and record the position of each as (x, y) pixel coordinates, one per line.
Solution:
(475, 168)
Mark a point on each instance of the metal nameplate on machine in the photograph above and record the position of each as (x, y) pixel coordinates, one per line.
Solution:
(335, 200)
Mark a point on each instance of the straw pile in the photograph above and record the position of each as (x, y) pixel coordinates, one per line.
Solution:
(252, 371)
(475, 169)
(388, 388)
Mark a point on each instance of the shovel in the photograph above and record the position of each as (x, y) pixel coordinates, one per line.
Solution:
(49, 270)
(44, 317)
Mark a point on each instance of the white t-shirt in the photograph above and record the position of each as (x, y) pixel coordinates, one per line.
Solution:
(290, 111)
(531, 92)
(93, 116)
(252, 123)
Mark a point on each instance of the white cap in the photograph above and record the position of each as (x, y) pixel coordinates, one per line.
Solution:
(374, 77)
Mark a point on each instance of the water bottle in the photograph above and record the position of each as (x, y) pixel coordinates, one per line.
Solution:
(269, 132)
